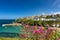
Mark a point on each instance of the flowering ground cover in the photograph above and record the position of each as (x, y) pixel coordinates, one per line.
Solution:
(36, 33)
(40, 33)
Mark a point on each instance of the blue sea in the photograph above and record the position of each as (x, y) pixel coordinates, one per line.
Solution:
(8, 31)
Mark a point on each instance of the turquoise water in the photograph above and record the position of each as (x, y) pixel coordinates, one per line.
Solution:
(10, 29)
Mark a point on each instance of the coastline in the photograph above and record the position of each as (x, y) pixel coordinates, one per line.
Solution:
(12, 24)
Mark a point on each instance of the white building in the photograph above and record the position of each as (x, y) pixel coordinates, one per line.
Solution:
(44, 19)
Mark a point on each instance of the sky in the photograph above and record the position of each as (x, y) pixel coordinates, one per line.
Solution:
(12, 9)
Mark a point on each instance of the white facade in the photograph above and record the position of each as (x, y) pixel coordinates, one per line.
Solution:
(43, 19)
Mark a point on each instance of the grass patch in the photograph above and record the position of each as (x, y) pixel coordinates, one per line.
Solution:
(7, 38)
(3, 38)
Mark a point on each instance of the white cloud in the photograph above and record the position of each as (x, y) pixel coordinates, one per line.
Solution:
(43, 13)
(51, 13)
(56, 13)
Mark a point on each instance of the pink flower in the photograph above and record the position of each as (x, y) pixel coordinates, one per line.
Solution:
(41, 39)
(58, 39)
(41, 29)
(50, 30)
(26, 27)
(25, 35)
(20, 35)
(33, 27)
(46, 35)
(37, 31)
(33, 32)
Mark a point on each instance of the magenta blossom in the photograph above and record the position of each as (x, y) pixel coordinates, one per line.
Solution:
(25, 35)
(37, 31)
(40, 38)
(46, 35)
(58, 39)
(34, 27)
(50, 30)
(41, 29)
(26, 27)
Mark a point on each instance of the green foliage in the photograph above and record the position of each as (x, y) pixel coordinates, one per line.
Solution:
(35, 22)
